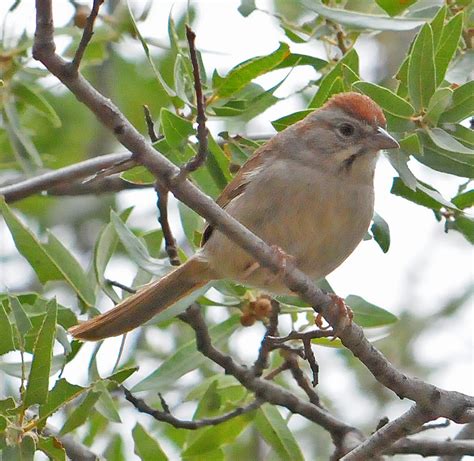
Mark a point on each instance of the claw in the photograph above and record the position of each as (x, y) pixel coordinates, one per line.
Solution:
(344, 314)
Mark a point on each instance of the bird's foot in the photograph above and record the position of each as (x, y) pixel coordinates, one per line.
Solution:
(343, 314)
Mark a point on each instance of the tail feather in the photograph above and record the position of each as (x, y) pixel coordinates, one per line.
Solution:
(146, 303)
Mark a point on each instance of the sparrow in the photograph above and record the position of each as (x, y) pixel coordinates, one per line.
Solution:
(308, 191)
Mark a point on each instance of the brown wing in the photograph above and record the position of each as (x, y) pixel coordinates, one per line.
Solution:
(238, 184)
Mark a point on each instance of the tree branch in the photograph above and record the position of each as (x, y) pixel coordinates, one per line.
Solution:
(167, 417)
(390, 433)
(62, 177)
(201, 155)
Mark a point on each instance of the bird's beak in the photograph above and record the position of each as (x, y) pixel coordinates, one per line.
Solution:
(382, 140)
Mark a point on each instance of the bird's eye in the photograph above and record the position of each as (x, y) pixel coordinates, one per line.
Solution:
(346, 129)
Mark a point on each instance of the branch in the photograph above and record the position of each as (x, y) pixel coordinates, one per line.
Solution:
(86, 36)
(166, 417)
(201, 155)
(390, 433)
(170, 241)
(427, 447)
(58, 178)
(73, 448)
(344, 436)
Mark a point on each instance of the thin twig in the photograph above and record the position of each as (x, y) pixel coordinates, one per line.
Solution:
(308, 335)
(301, 380)
(166, 417)
(200, 157)
(266, 346)
(311, 359)
(121, 286)
(86, 36)
(170, 241)
(150, 125)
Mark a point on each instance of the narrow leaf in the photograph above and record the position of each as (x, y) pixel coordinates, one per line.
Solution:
(146, 446)
(274, 429)
(381, 232)
(462, 105)
(71, 269)
(176, 129)
(386, 99)
(367, 314)
(245, 72)
(439, 101)
(38, 379)
(22, 321)
(363, 20)
(6, 338)
(448, 45)
(185, 359)
(81, 413)
(421, 69)
(29, 246)
(444, 140)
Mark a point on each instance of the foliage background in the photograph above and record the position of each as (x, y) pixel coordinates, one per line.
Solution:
(425, 278)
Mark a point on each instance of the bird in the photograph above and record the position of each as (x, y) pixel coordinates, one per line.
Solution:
(309, 191)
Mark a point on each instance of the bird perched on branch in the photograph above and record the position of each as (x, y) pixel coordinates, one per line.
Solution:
(308, 191)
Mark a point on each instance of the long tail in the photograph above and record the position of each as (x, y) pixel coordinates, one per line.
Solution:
(147, 302)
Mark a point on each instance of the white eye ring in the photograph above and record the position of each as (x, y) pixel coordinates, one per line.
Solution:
(346, 129)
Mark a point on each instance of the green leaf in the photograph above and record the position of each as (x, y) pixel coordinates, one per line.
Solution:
(81, 413)
(158, 76)
(70, 269)
(351, 60)
(463, 224)
(103, 251)
(176, 129)
(386, 99)
(209, 439)
(29, 246)
(25, 451)
(423, 195)
(185, 359)
(245, 72)
(136, 249)
(381, 232)
(295, 59)
(106, 405)
(464, 200)
(22, 321)
(15, 369)
(448, 45)
(394, 7)
(218, 163)
(38, 379)
(462, 134)
(274, 429)
(190, 221)
(369, 315)
(35, 99)
(457, 163)
(447, 142)
(138, 175)
(246, 7)
(6, 338)
(363, 20)
(421, 69)
(437, 25)
(284, 122)
(439, 101)
(52, 447)
(146, 446)
(462, 105)
(62, 393)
